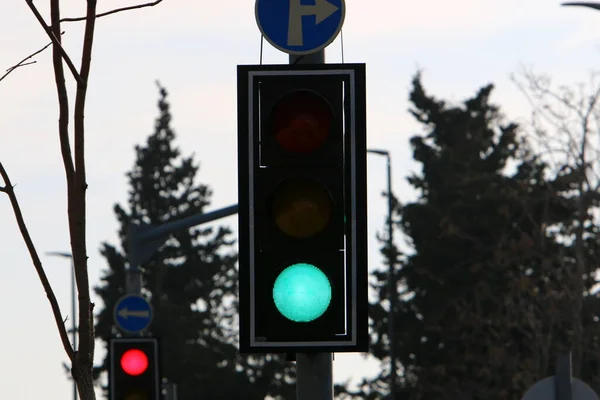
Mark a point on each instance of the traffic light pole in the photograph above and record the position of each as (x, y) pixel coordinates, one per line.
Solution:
(144, 240)
(314, 371)
(314, 376)
(314, 58)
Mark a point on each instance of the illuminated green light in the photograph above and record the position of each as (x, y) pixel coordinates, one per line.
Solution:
(302, 292)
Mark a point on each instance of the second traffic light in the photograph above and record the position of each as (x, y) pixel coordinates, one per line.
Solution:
(133, 369)
(302, 198)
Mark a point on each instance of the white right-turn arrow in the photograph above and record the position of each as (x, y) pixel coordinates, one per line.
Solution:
(322, 9)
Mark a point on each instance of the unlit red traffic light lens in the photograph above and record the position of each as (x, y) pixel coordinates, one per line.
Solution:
(301, 121)
(301, 207)
(302, 292)
(134, 362)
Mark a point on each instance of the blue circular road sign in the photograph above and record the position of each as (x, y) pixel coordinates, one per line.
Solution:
(132, 313)
(300, 26)
(545, 389)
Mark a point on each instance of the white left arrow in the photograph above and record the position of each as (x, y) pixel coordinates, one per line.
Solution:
(126, 313)
(322, 9)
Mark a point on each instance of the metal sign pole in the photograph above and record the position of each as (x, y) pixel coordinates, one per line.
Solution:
(314, 376)
(561, 386)
(282, 24)
(314, 372)
(562, 379)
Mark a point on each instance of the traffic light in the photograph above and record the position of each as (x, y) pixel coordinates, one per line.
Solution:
(133, 369)
(302, 208)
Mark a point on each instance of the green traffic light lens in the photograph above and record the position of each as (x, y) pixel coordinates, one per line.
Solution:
(301, 121)
(301, 207)
(302, 292)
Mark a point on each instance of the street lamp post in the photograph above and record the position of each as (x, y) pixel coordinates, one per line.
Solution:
(587, 4)
(391, 272)
(73, 307)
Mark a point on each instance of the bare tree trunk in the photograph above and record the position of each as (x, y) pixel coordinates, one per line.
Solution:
(85, 383)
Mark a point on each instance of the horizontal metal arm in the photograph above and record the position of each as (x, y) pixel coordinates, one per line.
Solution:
(145, 239)
(174, 226)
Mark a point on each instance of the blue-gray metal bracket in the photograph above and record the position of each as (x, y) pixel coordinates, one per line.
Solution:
(595, 6)
(145, 239)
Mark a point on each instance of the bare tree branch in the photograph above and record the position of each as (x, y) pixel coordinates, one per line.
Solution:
(55, 40)
(574, 116)
(23, 62)
(27, 63)
(63, 98)
(117, 10)
(8, 189)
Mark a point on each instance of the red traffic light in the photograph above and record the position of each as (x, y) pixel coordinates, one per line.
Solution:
(134, 362)
(133, 369)
(301, 121)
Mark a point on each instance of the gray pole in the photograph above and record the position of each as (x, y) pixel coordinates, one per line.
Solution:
(391, 283)
(73, 307)
(133, 280)
(391, 273)
(314, 372)
(562, 379)
(314, 376)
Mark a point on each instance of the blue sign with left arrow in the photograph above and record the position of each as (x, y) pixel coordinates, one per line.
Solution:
(132, 313)
(300, 26)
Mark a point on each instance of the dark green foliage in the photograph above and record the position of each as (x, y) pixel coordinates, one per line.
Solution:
(192, 281)
(485, 305)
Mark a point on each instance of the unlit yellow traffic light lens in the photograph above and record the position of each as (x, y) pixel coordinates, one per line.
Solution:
(301, 121)
(301, 207)
(136, 396)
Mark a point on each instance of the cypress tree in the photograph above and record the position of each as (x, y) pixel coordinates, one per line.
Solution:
(480, 312)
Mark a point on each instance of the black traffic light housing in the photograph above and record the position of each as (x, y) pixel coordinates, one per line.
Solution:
(133, 369)
(302, 208)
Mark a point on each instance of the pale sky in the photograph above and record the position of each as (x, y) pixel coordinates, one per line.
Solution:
(193, 49)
